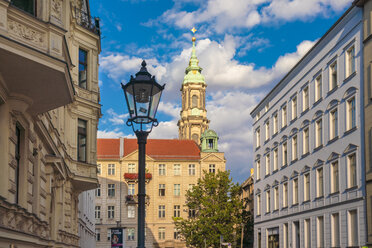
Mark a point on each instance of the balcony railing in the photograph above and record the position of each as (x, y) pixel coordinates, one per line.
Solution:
(86, 21)
(134, 176)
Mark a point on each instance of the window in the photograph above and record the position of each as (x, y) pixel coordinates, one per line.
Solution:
(97, 212)
(320, 231)
(351, 121)
(258, 204)
(285, 195)
(111, 169)
(25, 5)
(192, 213)
(130, 232)
(319, 182)
(98, 234)
(267, 171)
(161, 169)
(108, 234)
(111, 190)
(258, 138)
(285, 154)
(295, 191)
(98, 190)
(294, 147)
(350, 61)
(333, 124)
(268, 201)
(335, 230)
(110, 212)
(275, 123)
(83, 68)
(210, 143)
(276, 159)
(267, 130)
(352, 174)
(306, 141)
(294, 108)
(352, 228)
(258, 169)
(318, 88)
(161, 211)
(177, 211)
(161, 233)
(318, 133)
(258, 116)
(307, 187)
(334, 177)
(333, 76)
(191, 169)
(194, 100)
(82, 140)
(267, 107)
(284, 116)
(131, 189)
(305, 98)
(212, 168)
(98, 169)
(131, 211)
(276, 198)
(177, 190)
(131, 168)
(307, 230)
(285, 235)
(177, 169)
(161, 189)
(176, 233)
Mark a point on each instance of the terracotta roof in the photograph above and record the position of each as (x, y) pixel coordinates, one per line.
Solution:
(108, 148)
(166, 149)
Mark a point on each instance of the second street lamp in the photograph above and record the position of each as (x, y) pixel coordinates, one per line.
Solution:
(142, 95)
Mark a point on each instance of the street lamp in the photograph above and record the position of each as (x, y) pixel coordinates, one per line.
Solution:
(142, 95)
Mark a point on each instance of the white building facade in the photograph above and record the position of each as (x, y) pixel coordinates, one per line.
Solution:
(308, 147)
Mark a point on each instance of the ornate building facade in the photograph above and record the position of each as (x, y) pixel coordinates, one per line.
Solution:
(49, 111)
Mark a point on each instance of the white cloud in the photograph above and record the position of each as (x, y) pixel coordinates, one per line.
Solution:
(104, 134)
(115, 118)
(118, 27)
(165, 130)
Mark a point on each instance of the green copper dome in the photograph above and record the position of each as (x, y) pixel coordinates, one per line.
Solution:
(193, 71)
(209, 141)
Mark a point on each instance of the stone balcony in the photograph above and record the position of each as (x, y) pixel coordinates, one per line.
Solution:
(133, 177)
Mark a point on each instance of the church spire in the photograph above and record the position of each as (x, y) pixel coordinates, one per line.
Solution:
(193, 71)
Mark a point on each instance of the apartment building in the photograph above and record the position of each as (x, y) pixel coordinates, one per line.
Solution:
(49, 111)
(309, 147)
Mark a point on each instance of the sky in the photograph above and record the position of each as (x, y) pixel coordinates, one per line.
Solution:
(244, 47)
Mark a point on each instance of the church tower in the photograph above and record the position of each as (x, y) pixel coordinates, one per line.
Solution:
(193, 122)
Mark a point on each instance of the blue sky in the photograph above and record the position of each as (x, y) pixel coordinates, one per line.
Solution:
(244, 47)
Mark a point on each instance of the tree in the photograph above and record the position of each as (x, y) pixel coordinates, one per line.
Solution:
(215, 210)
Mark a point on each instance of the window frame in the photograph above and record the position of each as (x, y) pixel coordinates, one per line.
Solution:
(81, 82)
(333, 77)
(82, 140)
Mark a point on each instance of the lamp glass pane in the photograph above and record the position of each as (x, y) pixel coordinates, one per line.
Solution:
(130, 99)
(155, 103)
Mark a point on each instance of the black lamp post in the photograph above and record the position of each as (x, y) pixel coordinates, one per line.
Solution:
(142, 94)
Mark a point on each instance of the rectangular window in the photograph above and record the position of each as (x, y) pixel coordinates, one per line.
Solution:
(307, 230)
(98, 190)
(161, 169)
(294, 108)
(191, 169)
(295, 191)
(320, 231)
(131, 189)
(276, 198)
(111, 190)
(267, 130)
(351, 121)
(276, 159)
(333, 124)
(99, 169)
(352, 228)
(258, 204)
(258, 138)
(352, 173)
(176, 233)
(111, 169)
(110, 212)
(318, 88)
(131, 168)
(130, 233)
(318, 133)
(267, 172)
(177, 190)
(305, 98)
(131, 211)
(192, 213)
(83, 55)
(177, 211)
(319, 182)
(82, 140)
(161, 189)
(177, 169)
(258, 169)
(212, 168)
(161, 233)
(285, 235)
(307, 187)
(285, 195)
(294, 148)
(268, 201)
(275, 123)
(333, 76)
(284, 116)
(306, 144)
(97, 212)
(108, 234)
(334, 177)
(98, 234)
(335, 230)
(285, 154)
(161, 211)
(350, 61)
(25, 5)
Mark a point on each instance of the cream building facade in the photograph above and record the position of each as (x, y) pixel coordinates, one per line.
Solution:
(49, 111)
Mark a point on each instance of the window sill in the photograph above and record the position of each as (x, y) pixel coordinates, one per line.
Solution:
(304, 202)
(348, 78)
(284, 208)
(350, 131)
(275, 210)
(319, 198)
(293, 120)
(318, 101)
(258, 147)
(267, 175)
(333, 140)
(332, 90)
(351, 188)
(258, 215)
(294, 161)
(305, 155)
(334, 193)
(284, 127)
(267, 213)
(284, 166)
(294, 205)
(266, 141)
(275, 171)
(318, 148)
(258, 180)
(305, 111)
(275, 134)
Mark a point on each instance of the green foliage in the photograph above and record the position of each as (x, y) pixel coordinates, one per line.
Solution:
(219, 211)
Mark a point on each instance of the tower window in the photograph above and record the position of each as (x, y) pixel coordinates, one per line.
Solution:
(194, 101)
(195, 137)
(210, 143)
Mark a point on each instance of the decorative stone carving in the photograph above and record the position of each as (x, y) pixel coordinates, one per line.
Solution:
(56, 9)
(26, 33)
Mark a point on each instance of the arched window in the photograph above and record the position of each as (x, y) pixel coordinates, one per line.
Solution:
(195, 137)
(194, 101)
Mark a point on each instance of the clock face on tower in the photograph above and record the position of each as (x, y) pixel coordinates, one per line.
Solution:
(195, 111)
